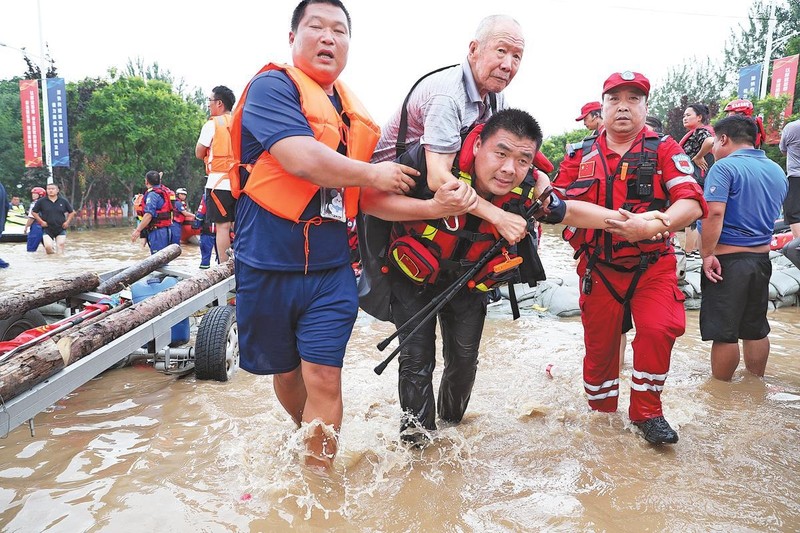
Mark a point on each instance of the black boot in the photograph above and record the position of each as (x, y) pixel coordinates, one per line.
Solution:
(413, 434)
(658, 431)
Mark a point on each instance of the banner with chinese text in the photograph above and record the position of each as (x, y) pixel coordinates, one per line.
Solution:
(784, 75)
(31, 135)
(59, 133)
(749, 78)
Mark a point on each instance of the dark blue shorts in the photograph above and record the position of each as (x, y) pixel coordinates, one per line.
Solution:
(284, 317)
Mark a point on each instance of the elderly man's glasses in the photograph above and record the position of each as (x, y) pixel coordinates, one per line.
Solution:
(213, 99)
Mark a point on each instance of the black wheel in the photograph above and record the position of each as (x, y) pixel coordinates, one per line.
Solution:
(13, 326)
(216, 349)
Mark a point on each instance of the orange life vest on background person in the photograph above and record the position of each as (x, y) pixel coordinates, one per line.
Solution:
(220, 149)
(284, 194)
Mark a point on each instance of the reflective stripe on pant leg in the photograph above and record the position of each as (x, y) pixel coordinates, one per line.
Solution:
(601, 315)
(660, 318)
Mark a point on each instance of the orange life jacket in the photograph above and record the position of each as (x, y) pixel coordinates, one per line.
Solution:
(220, 149)
(284, 194)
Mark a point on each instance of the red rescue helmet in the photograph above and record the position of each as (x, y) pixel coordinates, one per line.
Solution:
(745, 107)
(39, 190)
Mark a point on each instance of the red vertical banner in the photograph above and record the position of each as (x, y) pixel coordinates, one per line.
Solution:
(31, 133)
(784, 75)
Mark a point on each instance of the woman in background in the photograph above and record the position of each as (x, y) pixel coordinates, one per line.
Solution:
(697, 144)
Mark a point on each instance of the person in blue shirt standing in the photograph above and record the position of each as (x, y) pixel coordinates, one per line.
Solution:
(744, 191)
(157, 214)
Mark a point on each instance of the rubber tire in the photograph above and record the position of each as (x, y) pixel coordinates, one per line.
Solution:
(14, 325)
(216, 348)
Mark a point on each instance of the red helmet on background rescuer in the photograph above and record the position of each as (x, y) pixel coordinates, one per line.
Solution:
(740, 106)
(39, 190)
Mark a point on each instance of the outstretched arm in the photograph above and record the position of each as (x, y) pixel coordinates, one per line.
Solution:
(452, 199)
(311, 160)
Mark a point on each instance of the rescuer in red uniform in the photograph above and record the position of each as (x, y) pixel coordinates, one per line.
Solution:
(622, 278)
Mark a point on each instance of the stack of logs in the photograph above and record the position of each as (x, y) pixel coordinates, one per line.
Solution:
(35, 364)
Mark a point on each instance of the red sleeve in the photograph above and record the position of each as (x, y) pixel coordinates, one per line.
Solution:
(567, 173)
(676, 169)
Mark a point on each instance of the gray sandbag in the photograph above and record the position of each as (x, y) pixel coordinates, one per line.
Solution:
(784, 283)
(693, 279)
(562, 301)
(792, 271)
(552, 297)
(522, 290)
(773, 292)
(790, 300)
(692, 304)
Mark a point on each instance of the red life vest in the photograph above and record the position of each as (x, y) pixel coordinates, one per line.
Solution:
(422, 249)
(637, 185)
(284, 194)
(177, 214)
(163, 218)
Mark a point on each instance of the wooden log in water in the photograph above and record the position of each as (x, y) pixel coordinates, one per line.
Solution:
(46, 292)
(37, 363)
(135, 272)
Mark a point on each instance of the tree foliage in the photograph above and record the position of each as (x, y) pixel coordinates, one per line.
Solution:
(132, 126)
(554, 147)
(747, 43)
(695, 80)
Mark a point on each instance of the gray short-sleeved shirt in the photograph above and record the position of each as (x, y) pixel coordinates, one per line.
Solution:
(790, 143)
(442, 107)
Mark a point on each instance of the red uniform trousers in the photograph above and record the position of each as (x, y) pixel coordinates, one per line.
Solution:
(659, 317)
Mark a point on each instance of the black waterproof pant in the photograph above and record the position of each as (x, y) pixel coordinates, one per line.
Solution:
(461, 321)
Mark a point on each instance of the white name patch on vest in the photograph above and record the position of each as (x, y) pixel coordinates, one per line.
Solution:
(683, 163)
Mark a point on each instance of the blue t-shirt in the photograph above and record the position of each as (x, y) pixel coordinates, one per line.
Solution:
(753, 188)
(272, 112)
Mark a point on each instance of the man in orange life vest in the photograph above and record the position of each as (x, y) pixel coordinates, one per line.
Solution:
(156, 214)
(306, 141)
(628, 166)
(214, 148)
(428, 255)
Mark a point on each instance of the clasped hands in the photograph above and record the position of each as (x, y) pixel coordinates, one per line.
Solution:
(636, 227)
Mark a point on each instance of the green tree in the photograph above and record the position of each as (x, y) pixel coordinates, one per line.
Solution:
(78, 181)
(747, 43)
(554, 147)
(12, 170)
(697, 80)
(132, 126)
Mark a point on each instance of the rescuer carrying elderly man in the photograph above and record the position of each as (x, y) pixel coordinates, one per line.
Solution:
(428, 254)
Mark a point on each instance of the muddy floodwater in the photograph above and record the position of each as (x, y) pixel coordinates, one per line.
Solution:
(137, 450)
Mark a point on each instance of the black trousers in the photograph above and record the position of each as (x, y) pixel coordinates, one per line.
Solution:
(461, 321)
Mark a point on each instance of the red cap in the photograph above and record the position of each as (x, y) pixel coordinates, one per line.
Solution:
(588, 108)
(632, 79)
